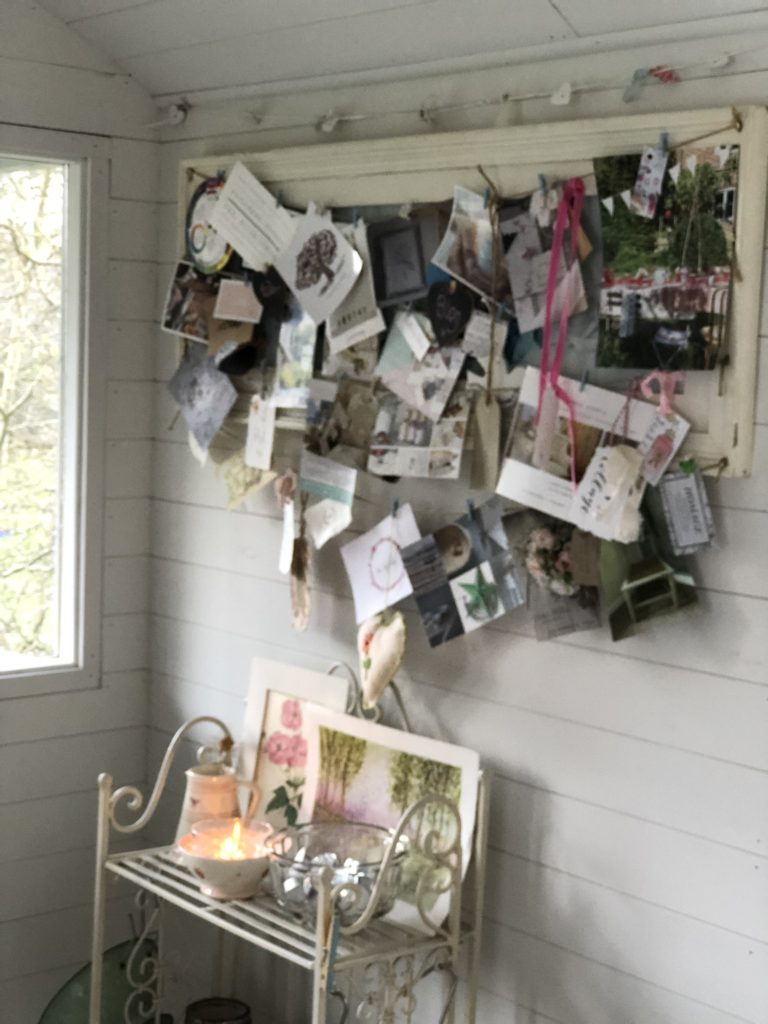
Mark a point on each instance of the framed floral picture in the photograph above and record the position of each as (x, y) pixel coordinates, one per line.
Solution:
(274, 743)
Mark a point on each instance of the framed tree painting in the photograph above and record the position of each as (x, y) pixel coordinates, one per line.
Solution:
(275, 736)
(359, 771)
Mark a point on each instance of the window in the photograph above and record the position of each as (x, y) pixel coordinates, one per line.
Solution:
(48, 517)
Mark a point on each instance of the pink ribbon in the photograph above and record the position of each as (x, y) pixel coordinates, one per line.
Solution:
(667, 381)
(569, 209)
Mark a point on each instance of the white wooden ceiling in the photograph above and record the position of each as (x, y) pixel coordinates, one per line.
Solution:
(177, 46)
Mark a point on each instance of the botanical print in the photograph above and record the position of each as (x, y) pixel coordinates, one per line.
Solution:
(667, 269)
(358, 771)
(287, 749)
(274, 744)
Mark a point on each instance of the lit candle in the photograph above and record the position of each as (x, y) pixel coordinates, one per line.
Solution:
(232, 847)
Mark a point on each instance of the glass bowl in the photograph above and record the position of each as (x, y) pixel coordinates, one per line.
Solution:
(353, 852)
(229, 857)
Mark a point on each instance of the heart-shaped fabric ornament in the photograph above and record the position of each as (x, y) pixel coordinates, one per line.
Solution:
(380, 647)
(449, 306)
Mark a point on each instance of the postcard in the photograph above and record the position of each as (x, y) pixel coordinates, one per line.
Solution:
(334, 485)
(464, 575)
(666, 279)
(190, 310)
(251, 220)
(424, 384)
(260, 438)
(358, 362)
(661, 443)
(477, 335)
(295, 361)
(319, 265)
(189, 303)
(466, 250)
(237, 301)
(204, 394)
(549, 489)
(407, 443)
(374, 566)
(400, 251)
(357, 318)
(414, 328)
(383, 772)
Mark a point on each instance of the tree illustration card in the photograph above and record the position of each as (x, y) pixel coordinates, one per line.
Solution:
(319, 266)
(358, 771)
(374, 566)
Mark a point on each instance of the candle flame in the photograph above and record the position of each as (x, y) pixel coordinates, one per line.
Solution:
(232, 846)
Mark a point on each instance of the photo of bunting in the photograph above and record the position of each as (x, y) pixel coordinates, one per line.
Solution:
(668, 249)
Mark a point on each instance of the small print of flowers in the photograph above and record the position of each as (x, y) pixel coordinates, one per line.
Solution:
(288, 750)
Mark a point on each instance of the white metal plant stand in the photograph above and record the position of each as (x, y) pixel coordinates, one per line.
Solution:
(370, 967)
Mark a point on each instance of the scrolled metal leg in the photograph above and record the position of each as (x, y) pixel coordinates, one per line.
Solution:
(142, 968)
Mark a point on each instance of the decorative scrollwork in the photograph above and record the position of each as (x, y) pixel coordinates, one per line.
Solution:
(438, 850)
(132, 798)
(142, 969)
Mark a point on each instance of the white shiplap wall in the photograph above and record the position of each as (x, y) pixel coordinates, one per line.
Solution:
(52, 747)
(629, 837)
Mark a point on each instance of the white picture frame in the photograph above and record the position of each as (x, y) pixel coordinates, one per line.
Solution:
(372, 803)
(720, 404)
(271, 685)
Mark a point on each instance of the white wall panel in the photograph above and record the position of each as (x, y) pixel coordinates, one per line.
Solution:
(628, 832)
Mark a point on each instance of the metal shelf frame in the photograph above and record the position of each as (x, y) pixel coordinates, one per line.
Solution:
(397, 957)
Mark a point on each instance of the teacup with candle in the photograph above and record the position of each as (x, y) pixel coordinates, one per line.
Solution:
(227, 855)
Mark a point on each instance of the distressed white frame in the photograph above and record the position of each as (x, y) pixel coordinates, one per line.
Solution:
(84, 322)
(425, 168)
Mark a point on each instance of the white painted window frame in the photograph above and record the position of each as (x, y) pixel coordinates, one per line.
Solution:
(85, 315)
(424, 168)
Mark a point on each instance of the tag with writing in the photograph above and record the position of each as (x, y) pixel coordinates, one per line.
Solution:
(477, 336)
(661, 443)
(261, 434)
(687, 512)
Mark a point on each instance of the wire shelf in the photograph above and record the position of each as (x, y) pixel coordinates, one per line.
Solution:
(260, 921)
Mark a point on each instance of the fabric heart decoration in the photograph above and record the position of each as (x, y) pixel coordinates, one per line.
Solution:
(449, 307)
(380, 648)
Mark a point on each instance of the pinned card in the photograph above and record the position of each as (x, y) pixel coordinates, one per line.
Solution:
(334, 485)
(295, 361)
(449, 306)
(424, 384)
(649, 181)
(250, 219)
(661, 443)
(204, 394)
(687, 512)
(261, 433)
(357, 318)
(607, 501)
(236, 301)
(374, 566)
(319, 265)
(415, 329)
(477, 336)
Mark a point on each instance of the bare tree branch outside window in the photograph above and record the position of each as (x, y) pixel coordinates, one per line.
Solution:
(31, 220)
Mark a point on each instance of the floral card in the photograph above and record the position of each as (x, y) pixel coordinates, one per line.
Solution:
(274, 743)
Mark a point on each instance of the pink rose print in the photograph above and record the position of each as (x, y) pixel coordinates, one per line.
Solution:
(297, 752)
(278, 748)
(290, 715)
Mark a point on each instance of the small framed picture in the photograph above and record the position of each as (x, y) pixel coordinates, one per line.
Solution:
(400, 251)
